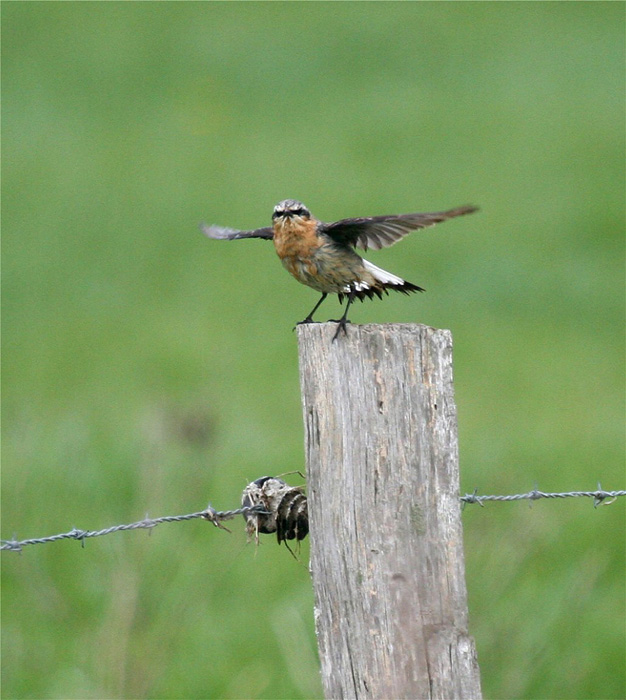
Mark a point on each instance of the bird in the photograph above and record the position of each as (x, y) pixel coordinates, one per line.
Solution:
(323, 255)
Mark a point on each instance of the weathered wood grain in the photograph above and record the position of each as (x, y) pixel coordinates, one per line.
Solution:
(384, 513)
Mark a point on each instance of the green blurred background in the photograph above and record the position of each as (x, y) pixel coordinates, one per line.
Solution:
(149, 370)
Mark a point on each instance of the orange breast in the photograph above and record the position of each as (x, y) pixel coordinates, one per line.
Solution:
(296, 239)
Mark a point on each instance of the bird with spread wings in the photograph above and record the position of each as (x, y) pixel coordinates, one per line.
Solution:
(323, 256)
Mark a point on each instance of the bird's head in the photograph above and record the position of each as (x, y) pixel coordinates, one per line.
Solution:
(290, 209)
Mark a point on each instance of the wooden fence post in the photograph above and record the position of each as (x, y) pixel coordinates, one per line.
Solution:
(384, 513)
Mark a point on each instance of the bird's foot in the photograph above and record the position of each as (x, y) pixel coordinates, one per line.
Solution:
(308, 319)
(341, 326)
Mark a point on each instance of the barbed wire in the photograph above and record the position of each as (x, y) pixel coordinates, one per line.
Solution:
(209, 513)
(600, 497)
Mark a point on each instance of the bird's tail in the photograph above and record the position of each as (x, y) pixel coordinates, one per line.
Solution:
(386, 280)
(389, 281)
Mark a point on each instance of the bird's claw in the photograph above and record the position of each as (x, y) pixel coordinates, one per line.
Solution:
(341, 326)
(306, 321)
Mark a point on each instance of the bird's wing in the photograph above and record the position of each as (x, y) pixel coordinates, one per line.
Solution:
(222, 233)
(378, 232)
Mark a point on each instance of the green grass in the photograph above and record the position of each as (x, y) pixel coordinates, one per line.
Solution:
(146, 369)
